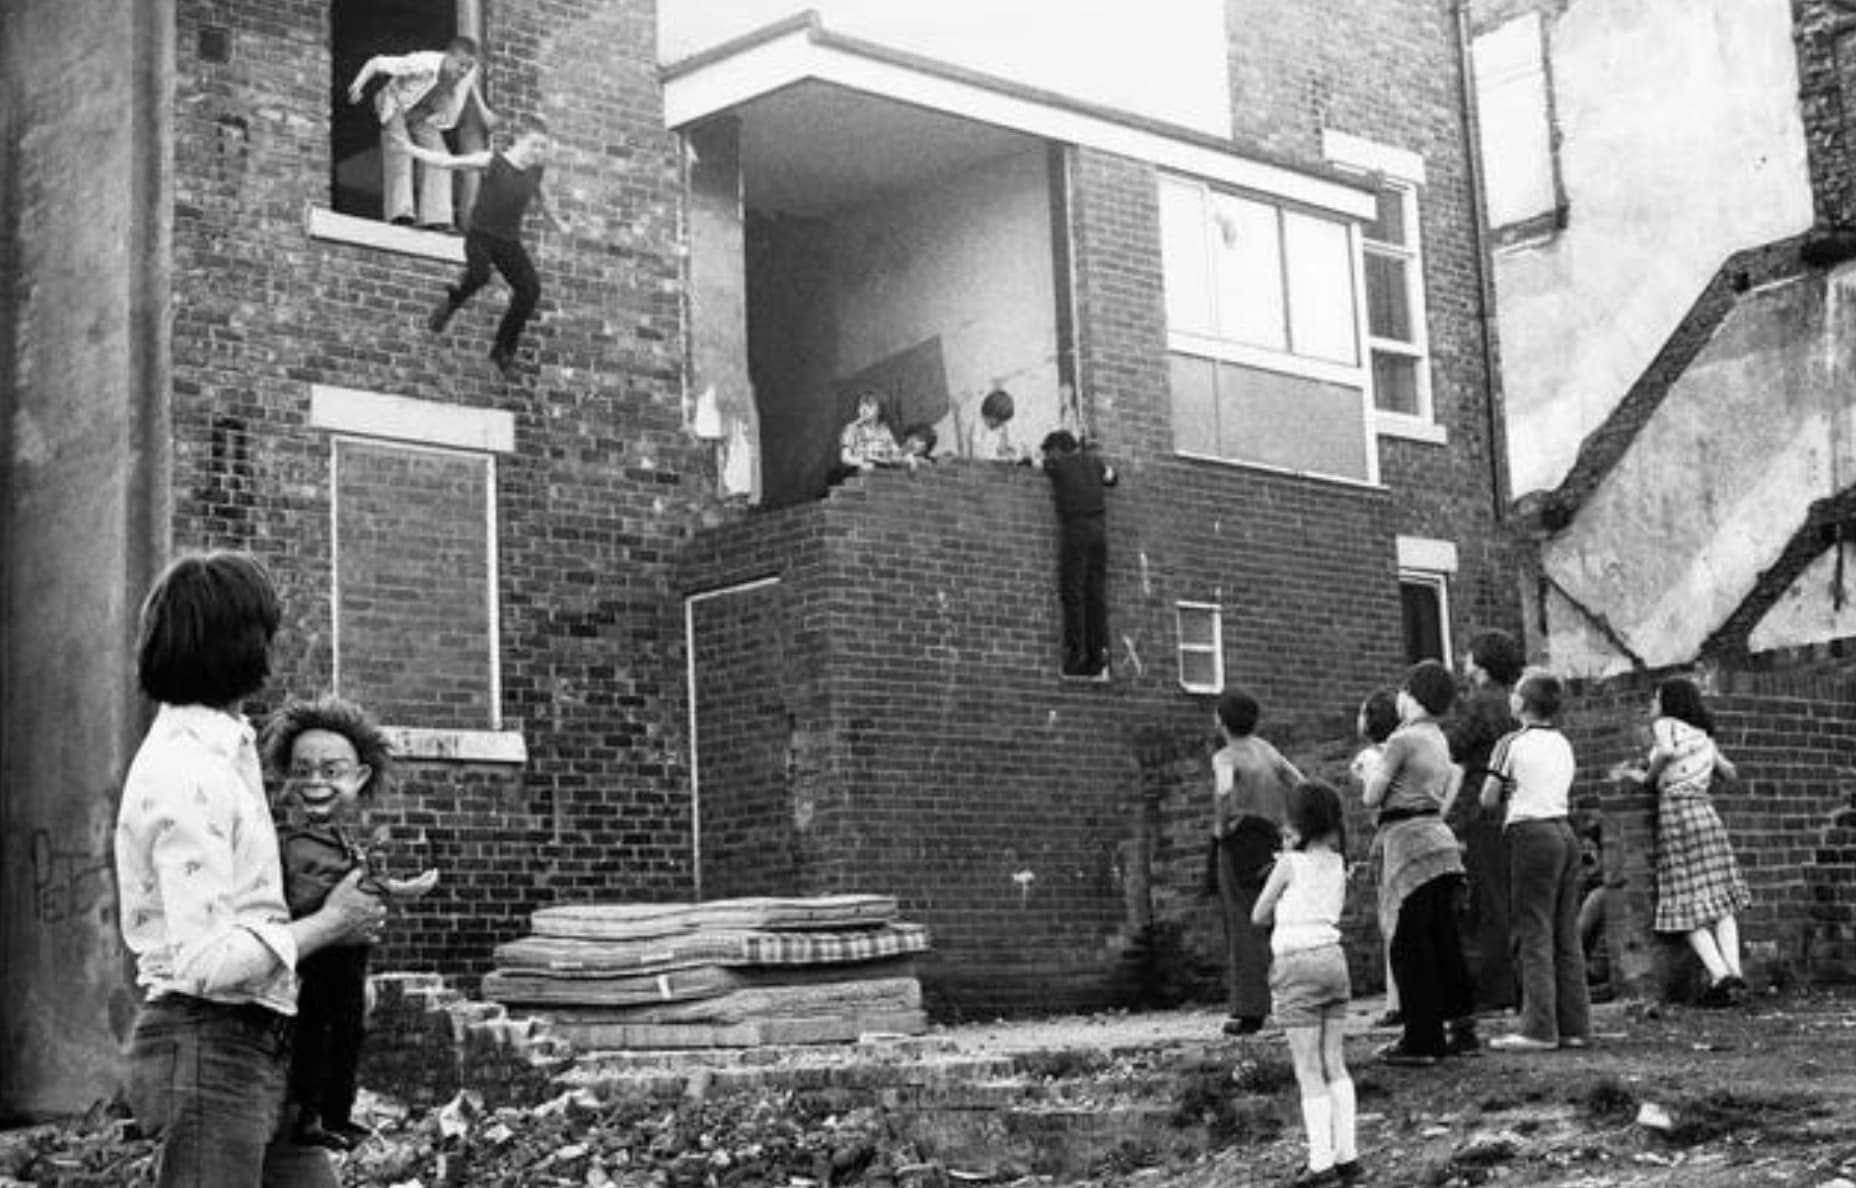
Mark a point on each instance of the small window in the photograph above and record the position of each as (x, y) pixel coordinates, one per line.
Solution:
(1201, 647)
(1424, 599)
(1395, 305)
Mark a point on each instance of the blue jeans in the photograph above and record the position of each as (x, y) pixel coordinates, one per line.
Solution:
(207, 1080)
(1546, 888)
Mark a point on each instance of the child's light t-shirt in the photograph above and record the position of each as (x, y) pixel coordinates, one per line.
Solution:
(1308, 914)
(1417, 759)
(1366, 764)
(1537, 766)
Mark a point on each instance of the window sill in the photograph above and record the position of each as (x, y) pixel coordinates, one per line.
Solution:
(458, 746)
(1285, 472)
(372, 233)
(1409, 427)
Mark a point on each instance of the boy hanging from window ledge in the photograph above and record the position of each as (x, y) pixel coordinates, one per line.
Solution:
(512, 179)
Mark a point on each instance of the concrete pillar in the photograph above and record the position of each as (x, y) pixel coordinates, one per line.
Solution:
(86, 197)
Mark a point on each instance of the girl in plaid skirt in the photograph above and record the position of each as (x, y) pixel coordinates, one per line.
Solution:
(1699, 887)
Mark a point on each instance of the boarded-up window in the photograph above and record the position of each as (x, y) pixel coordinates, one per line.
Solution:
(415, 610)
(1514, 114)
(1263, 322)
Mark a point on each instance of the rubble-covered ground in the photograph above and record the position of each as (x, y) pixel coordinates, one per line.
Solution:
(1758, 1095)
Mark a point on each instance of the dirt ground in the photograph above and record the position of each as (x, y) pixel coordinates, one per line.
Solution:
(1757, 1095)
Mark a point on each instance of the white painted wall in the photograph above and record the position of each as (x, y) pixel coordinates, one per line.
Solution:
(968, 260)
(1681, 143)
(1163, 59)
(1808, 612)
(1762, 425)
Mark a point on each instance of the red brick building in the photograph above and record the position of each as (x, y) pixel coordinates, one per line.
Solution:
(630, 646)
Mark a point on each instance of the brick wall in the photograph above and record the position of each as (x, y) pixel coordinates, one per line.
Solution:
(601, 490)
(1793, 737)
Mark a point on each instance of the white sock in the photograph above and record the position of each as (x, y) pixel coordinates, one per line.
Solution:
(1318, 1121)
(1340, 1096)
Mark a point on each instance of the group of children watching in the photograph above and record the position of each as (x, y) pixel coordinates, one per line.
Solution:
(1413, 778)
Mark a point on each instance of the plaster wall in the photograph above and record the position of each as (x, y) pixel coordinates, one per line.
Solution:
(1809, 611)
(970, 262)
(1762, 424)
(1164, 60)
(82, 383)
(1680, 142)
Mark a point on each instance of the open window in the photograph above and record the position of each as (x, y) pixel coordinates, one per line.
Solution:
(362, 29)
(1425, 567)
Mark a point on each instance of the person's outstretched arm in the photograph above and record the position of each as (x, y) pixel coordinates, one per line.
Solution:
(479, 160)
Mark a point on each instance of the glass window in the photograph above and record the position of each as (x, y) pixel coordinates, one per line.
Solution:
(1424, 600)
(1201, 646)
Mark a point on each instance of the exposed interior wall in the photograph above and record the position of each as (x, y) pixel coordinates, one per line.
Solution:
(961, 272)
(1111, 57)
(1819, 606)
(83, 152)
(1761, 424)
(1680, 142)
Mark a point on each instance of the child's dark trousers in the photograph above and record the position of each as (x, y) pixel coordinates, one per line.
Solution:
(329, 1006)
(483, 252)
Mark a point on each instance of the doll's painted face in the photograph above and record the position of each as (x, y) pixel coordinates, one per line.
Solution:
(326, 776)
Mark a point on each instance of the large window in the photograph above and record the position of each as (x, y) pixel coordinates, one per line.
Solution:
(1263, 324)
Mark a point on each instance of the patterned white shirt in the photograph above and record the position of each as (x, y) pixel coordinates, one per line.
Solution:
(197, 870)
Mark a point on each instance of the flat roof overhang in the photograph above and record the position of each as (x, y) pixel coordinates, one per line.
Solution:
(828, 122)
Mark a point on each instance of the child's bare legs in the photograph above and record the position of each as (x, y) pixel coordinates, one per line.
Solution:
(1307, 1051)
(1727, 938)
(1327, 1092)
(1702, 940)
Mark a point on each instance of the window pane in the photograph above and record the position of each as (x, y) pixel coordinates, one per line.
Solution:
(1388, 225)
(1198, 627)
(1321, 321)
(414, 651)
(1198, 670)
(1395, 383)
(1291, 421)
(1424, 627)
(1248, 264)
(1185, 257)
(1195, 408)
(1388, 297)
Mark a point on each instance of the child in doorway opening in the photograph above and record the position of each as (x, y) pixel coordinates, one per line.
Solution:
(992, 437)
(1377, 719)
(1531, 772)
(331, 754)
(512, 180)
(1303, 898)
(1699, 887)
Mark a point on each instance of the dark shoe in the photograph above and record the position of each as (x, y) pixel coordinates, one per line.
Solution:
(505, 361)
(403, 221)
(1735, 985)
(1349, 1171)
(1309, 1178)
(1390, 1019)
(440, 317)
(1399, 1056)
(1463, 1040)
(1243, 1025)
(441, 228)
(1718, 995)
(309, 1132)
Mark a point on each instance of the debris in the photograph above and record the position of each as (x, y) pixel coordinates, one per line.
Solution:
(1651, 1116)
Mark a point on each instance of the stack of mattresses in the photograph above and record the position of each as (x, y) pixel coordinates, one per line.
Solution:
(727, 973)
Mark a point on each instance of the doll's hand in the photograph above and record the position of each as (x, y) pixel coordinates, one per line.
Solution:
(414, 888)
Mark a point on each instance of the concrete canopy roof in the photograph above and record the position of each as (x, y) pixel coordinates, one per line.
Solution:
(829, 122)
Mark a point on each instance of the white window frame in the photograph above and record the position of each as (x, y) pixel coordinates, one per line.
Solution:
(1402, 172)
(1202, 345)
(380, 419)
(1215, 649)
(1424, 561)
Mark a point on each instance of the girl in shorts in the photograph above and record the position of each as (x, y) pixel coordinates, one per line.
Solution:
(1303, 899)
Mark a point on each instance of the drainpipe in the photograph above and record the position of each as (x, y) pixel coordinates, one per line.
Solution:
(1498, 484)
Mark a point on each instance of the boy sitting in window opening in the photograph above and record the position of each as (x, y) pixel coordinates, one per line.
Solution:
(425, 95)
(1078, 479)
(512, 179)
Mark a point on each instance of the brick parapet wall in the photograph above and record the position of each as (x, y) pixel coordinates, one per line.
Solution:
(602, 490)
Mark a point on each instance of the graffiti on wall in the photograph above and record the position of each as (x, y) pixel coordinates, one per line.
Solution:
(67, 884)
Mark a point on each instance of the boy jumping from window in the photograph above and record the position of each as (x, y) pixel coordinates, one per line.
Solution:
(512, 179)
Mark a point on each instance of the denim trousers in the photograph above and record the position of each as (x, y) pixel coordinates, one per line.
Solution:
(1547, 885)
(1427, 960)
(207, 1081)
